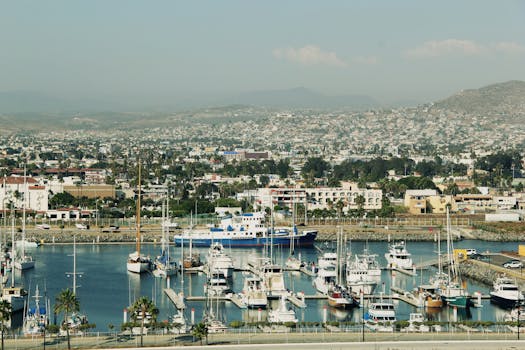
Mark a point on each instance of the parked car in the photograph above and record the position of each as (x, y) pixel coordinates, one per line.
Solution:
(513, 264)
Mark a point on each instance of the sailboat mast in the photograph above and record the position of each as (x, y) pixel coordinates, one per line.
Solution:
(138, 212)
(13, 248)
(75, 265)
(24, 215)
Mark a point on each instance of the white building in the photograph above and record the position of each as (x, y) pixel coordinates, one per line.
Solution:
(16, 190)
(320, 198)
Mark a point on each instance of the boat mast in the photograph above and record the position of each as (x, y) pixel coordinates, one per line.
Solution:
(138, 213)
(13, 248)
(24, 216)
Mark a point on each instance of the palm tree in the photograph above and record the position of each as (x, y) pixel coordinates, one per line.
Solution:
(5, 315)
(66, 302)
(199, 331)
(143, 308)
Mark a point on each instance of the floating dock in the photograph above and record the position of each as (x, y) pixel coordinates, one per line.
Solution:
(297, 300)
(176, 299)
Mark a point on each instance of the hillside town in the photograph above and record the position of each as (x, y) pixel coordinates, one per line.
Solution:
(299, 162)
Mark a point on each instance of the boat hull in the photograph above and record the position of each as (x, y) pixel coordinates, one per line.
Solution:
(305, 240)
(458, 301)
(138, 267)
(503, 302)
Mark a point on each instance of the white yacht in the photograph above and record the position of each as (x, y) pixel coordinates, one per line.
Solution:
(253, 294)
(217, 284)
(282, 314)
(328, 259)
(218, 260)
(506, 293)
(359, 278)
(398, 256)
(382, 312)
(273, 280)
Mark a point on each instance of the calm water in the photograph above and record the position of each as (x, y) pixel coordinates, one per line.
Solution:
(106, 288)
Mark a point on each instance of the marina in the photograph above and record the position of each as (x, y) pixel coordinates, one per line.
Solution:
(112, 288)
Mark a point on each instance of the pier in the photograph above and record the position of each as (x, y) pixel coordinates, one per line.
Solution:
(176, 299)
(297, 299)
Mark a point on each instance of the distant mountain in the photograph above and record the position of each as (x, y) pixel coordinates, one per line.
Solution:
(302, 98)
(506, 98)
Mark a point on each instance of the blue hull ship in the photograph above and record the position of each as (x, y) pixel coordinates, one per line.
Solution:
(246, 230)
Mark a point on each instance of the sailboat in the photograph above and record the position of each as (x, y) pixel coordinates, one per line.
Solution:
(338, 295)
(15, 295)
(452, 292)
(36, 318)
(164, 266)
(138, 263)
(75, 320)
(23, 261)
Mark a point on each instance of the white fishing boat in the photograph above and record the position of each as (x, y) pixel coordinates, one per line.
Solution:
(137, 262)
(340, 298)
(506, 293)
(253, 294)
(398, 256)
(282, 314)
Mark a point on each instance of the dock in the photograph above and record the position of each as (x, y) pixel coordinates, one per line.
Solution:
(297, 299)
(234, 298)
(307, 271)
(176, 299)
(408, 297)
(403, 271)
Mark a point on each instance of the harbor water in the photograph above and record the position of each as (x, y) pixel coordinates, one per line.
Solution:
(105, 288)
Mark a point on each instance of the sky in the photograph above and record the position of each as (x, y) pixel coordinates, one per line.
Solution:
(164, 51)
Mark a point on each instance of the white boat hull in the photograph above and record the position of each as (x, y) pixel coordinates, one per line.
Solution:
(138, 267)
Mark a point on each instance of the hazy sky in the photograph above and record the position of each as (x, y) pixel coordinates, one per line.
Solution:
(162, 50)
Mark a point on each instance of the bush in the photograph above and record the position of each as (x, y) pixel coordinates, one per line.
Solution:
(236, 324)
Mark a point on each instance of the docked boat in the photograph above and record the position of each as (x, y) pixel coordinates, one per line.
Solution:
(382, 312)
(26, 244)
(359, 278)
(416, 323)
(325, 279)
(253, 294)
(282, 314)
(16, 296)
(340, 298)
(137, 262)
(452, 291)
(398, 256)
(506, 293)
(218, 260)
(216, 284)
(246, 230)
(164, 265)
(36, 317)
(272, 280)
(327, 260)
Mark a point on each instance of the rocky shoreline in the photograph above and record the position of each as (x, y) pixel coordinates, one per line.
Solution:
(325, 233)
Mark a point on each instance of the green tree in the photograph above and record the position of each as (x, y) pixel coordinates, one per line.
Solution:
(66, 302)
(199, 331)
(5, 315)
(141, 308)
(316, 166)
